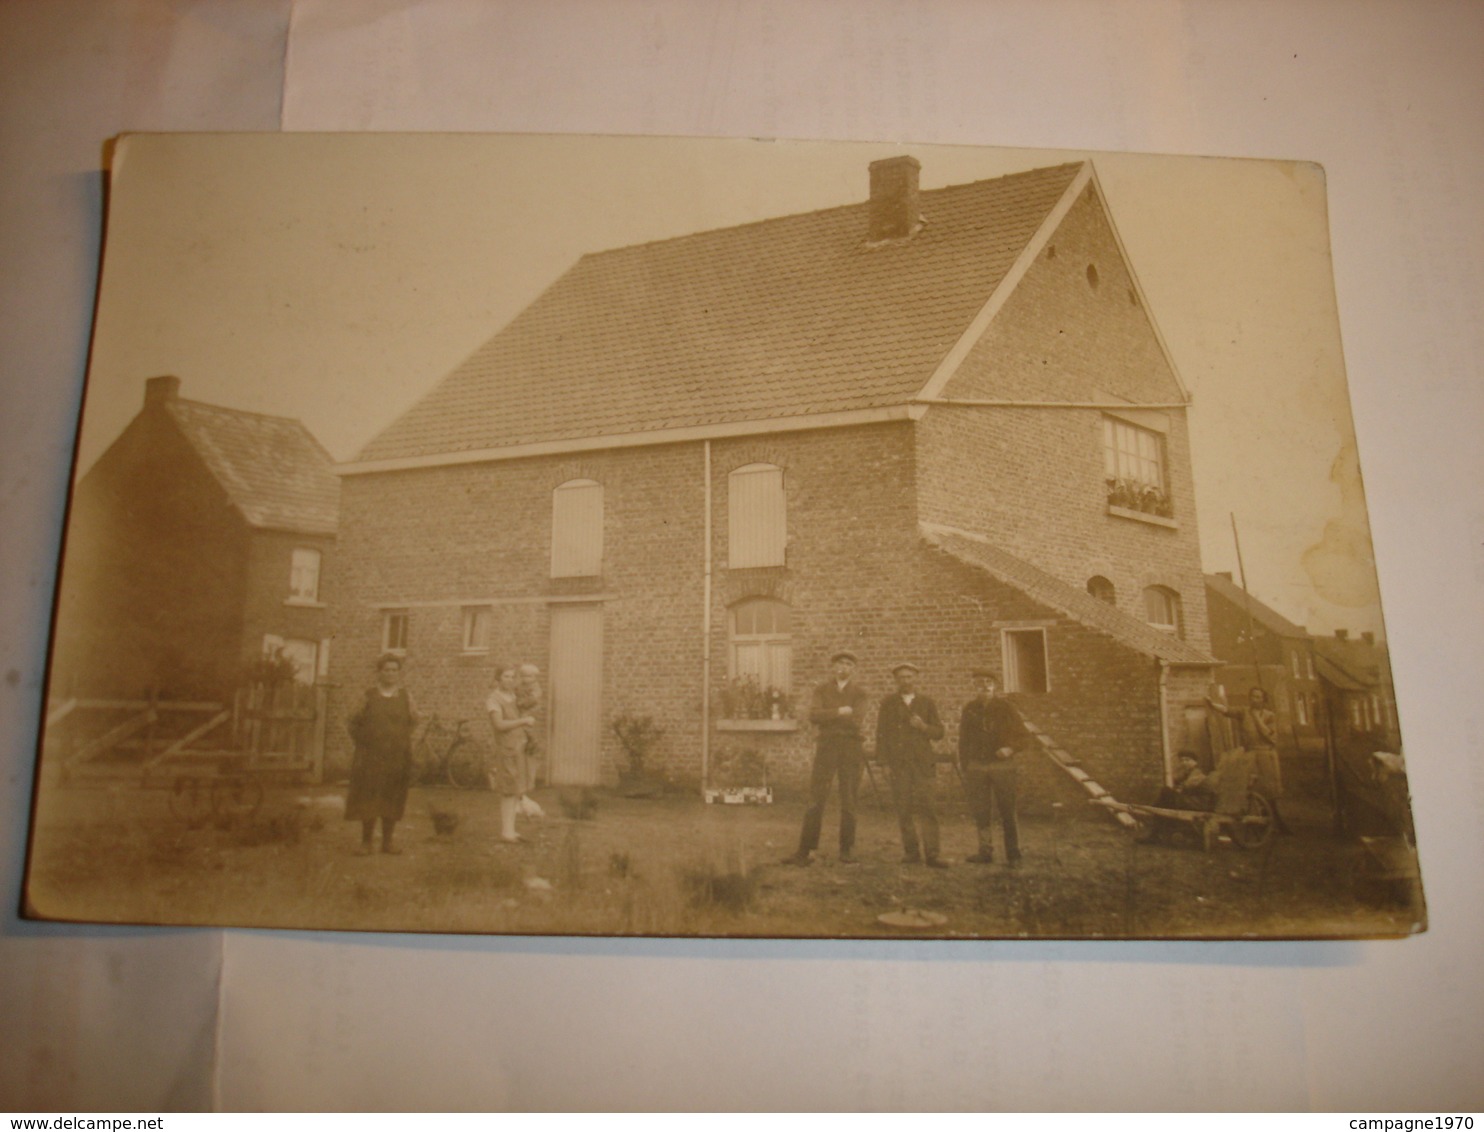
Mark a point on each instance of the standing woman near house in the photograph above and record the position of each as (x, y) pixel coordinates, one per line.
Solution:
(1258, 727)
(512, 729)
(381, 768)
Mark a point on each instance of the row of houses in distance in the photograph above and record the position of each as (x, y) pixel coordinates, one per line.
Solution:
(937, 425)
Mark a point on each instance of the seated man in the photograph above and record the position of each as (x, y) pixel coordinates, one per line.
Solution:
(1192, 789)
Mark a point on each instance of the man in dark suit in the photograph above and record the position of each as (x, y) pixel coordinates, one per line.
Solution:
(838, 711)
(906, 727)
(990, 737)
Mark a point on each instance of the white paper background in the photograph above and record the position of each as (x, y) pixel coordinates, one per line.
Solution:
(1388, 96)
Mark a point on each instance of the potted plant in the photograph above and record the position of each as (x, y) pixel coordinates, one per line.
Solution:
(740, 777)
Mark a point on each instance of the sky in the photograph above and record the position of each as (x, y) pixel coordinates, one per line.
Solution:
(337, 277)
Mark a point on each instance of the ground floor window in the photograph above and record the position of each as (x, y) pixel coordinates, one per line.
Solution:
(760, 658)
(1025, 661)
(394, 631)
(476, 628)
(302, 654)
(1162, 609)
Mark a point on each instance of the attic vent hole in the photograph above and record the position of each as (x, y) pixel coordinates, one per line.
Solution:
(1092, 276)
(1050, 251)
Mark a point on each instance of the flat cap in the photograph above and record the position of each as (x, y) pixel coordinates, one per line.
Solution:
(906, 664)
(844, 654)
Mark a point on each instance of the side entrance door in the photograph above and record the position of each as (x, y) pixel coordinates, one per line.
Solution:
(576, 695)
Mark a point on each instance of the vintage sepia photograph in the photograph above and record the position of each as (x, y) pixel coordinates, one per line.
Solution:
(691, 537)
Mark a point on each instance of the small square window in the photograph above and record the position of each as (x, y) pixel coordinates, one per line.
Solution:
(476, 628)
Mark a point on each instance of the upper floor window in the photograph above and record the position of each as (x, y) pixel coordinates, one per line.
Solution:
(577, 529)
(1134, 468)
(761, 643)
(394, 631)
(757, 516)
(1296, 663)
(1162, 609)
(304, 575)
(1102, 589)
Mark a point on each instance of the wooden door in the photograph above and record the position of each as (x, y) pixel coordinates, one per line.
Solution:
(576, 695)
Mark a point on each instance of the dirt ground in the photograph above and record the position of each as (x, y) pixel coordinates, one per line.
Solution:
(673, 866)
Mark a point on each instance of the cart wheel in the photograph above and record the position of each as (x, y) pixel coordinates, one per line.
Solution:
(1254, 826)
(236, 797)
(190, 801)
(466, 766)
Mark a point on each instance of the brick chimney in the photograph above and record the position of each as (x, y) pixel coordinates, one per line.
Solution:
(1227, 574)
(894, 213)
(1368, 637)
(1342, 634)
(159, 390)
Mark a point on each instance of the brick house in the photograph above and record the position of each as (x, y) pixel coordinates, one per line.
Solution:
(1247, 635)
(1355, 673)
(937, 425)
(201, 539)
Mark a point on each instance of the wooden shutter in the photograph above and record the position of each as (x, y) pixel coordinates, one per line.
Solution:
(757, 519)
(577, 529)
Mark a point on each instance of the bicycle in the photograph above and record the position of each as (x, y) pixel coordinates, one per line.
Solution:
(449, 753)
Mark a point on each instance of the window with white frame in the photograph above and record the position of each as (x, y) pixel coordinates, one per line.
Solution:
(476, 628)
(304, 575)
(761, 643)
(394, 630)
(1296, 665)
(757, 516)
(1162, 609)
(577, 529)
(1134, 468)
(303, 655)
(1301, 708)
(1025, 661)
(1357, 714)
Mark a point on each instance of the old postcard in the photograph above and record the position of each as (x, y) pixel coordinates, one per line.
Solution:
(727, 538)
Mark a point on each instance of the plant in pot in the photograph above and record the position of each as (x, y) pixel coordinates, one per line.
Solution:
(739, 776)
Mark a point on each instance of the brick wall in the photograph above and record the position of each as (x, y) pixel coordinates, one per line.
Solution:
(154, 573)
(1033, 479)
(857, 574)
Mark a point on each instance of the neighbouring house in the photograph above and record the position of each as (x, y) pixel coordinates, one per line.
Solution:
(1356, 675)
(937, 425)
(1250, 637)
(199, 542)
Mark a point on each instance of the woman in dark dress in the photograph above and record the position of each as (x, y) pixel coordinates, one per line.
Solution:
(381, 769)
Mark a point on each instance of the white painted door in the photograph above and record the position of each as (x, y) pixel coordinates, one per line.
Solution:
(576, 695)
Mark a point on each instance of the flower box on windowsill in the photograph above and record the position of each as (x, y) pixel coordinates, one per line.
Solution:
(1143, 517)
(757, 724)
(741, 795)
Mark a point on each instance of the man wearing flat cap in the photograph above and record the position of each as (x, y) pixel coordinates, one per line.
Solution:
(990, 736)
(906, 726)
(838, 712)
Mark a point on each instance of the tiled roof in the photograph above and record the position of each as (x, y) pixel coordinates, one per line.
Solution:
(1332, 673)
(1268, 618)
(1364, 662)
(1075, 603)
(273, 470)
(783, 317)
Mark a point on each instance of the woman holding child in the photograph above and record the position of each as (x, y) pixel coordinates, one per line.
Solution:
(512, 727)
